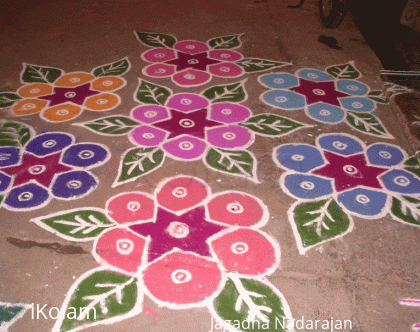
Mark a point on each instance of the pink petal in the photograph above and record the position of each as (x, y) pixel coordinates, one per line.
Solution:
(191, 46)
(191, 77)
(158, 55)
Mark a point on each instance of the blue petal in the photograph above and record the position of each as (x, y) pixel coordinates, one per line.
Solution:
(358, 104)
(340, 144)
(85, 155)
(284, 99)
(384, 155)
(401, 181)
(279, 81)
(27, 196)
(9, 156)
(301, 158)
(315, 75)
(4, 181)
(73, 184)
(48, 143)
(307, 186)
(352, 87)
(326, 113)
(363, 201)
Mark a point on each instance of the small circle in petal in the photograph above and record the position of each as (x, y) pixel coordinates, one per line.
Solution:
(312, 75)
(307, 185)
(178, 230)
(325, 112)
(239, 248)
(62, 111)
(125, 246)
(180, 192)
(86, 154)
(402, 181)
(133, 206)
(75, 80)
(281, 99)
(298, 157)
(356, 104)
(235, 208)
(70, 94)
(278, 80)
(319, 92)
(35, 90)
(25, 196)
(229, 136)
(28, 106)
(148, 135)
(339, 145)
(186, 123)
(385, 154)
(192, 61)
(185, 145)
(350, 169)
(181, 276)
(186, 101)
(74, 184)
(352, 87)
(36, 169)
(49, 144)
(362, 199)
(150, 114)
(226, 111)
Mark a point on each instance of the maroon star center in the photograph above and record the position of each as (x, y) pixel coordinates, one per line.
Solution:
(198, 61)
(75, 95)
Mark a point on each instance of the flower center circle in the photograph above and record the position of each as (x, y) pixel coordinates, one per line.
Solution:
(312, 75)
(178, 229)
(362, 199)
(353, 88)
(74, 79)
(107, 83)
(150, 114)
(179, 192)
(279, 80)
(226, 111)
(36, 90)
(402, 181)
(186, 101)
(29, 106)
(235, 208)
(339, 145)
(225, 56)
(239, 248)
(70, 94)
(148, 135)
(225, 69)
(319, 92)
(307, 185)
(74, 184)
(160, 71)
(325, 112)
(350, 169)
(356, 104)
(281, 99)
(385, 154)
(190, 47)
(49, 144)
(189, 77)
(186, 145)
(86, 154)
(101, 101)
(297, 157)
(133, 206)
(186, 123)
(25, 196)
(36, 169)
(180, 276)
(192, 61)
(229, 136)
(125, 246)
(159, 55)
(62, 112)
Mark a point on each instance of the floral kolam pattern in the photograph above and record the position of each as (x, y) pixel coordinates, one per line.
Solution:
(341, 177)
(192, 63)
(59, 97)
(36, 168)
(183, 247)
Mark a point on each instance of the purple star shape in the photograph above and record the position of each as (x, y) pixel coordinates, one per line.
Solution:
(75, 95)
(195, 231)
(315, 92)
(198, 61)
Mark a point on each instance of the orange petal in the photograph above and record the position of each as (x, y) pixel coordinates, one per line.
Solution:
(107, 83)
(63, 112)
(28, 106)
(74, 79)
(35, 90)
(103, 101)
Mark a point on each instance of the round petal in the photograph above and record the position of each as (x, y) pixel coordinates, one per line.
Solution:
(62, 112)
(35, 90)
(86, 155)
(284, 99)
(73, 79)
(186, 102)
(340, 144)
(182, 279)
(28, 196)
(73, 185)
(307, 186)
(191, 46)
(102, 102)
(358, 104)
(9, 156)
(4, 181)
(49, 143)
(225, 55)
(226, 70)
(229, 112)
(237, 209)
(299, 157)
(147, 136)
(352, 87)
(108, 83)
(131, 207)
(384, 155)
(185, 147)
(326, 113)
(229, 137)
(28, 106)
(314, 75)
(159, 55)
(158, 70)
(401, 181)
(363, 201)
(181, 193)
(120, 248)
(191, 77)
(150, 113)
(245, 251)
(279, 81)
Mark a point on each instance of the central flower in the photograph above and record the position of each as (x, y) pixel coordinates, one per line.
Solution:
(315, 92)
(198, 61)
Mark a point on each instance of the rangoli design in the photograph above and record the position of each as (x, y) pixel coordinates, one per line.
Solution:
(192, 63)
(183, 247)
(341, 177)
(10, 313)
(58, 96)
(411, 303)
(331, 97)
(212, 126)
(36, 168)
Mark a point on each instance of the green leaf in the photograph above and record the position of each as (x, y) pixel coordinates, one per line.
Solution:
(368, 124)
(225, 42)
(99, 296)
(149, 93)
(137, 162)
(76, 224)
(221, 93)
(38, 74)
(10, 313)
(8, 99)
(413, 165)
(254, 65)
(110, 125)
(15, 133)
(156, 39)
(112, 69)
(317, 222)
(345, 71)
(238, 162)
(406, 209)
(395, 89)
(271, 124)
(252, 305)
(378, 96)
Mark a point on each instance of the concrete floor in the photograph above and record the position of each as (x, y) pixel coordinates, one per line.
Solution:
(359, 277)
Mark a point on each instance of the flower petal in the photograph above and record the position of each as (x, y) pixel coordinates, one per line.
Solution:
(102, 102)
(158, 55)
(181, 193)
(74, 185)
(299, 157)
(191, 77)
(358, 104)
(314, 75)
(191, 46)
(185, 147)
(226, 70)
(341, 144)
(107, 83)
(150, 113)
(326, 113)
(279, 81)
(229, 137)
(363, 201)
(28, 106)
(28, 196)
(4, 181)
(158, 70)
(147, 136)
(35, 90)
(307, 186)
(73, 79)
(246, 251)
(229, 112)
(186, 102)
(352, 87)
(401, 181)
(131, 207)
(49, 143)
(62, 112)
(284, 99)
(384, 155)
(225, 55)
(86, 155)
(9, 156)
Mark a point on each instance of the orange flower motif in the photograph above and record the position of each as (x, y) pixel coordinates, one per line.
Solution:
(101, 102)
(73, 79)
(107, 83)
(63, 112)
(28, 106)
(35, 90)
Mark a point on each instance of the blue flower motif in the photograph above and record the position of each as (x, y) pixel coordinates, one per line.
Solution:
(279, 81)
(384, 155)
(73, 185)
(401, 181)
(28, 196)
(326, 113)
(339, 143)
(352, 87)
(300, 158)
(307, 186)
(284, 99)
(9, 156)
(315, 75)
(49, 143)
(358, 104)
(363, 201)
(85, 155)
